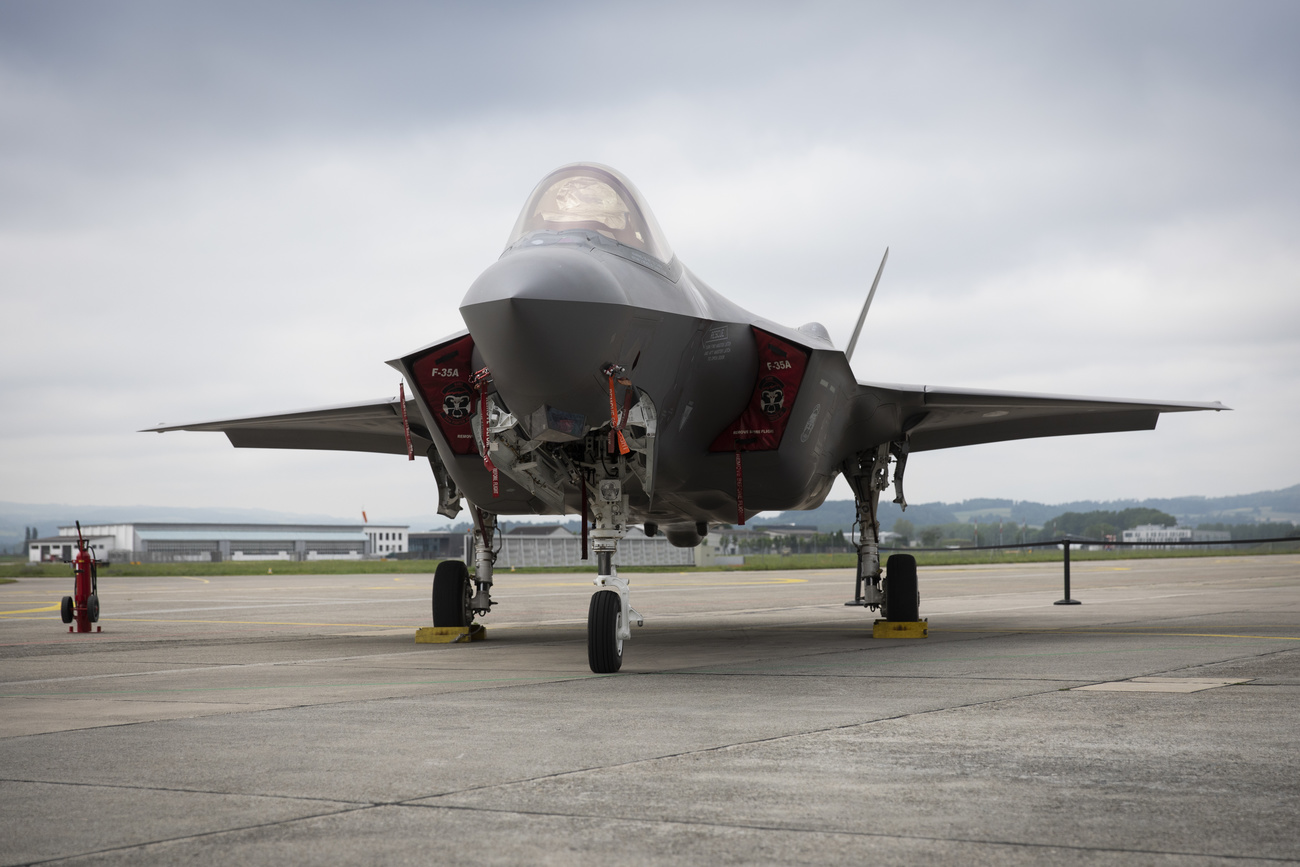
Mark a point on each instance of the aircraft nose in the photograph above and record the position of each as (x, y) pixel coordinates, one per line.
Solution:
(546, 320)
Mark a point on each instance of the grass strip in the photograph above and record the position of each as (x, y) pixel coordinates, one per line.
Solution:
(753, 563)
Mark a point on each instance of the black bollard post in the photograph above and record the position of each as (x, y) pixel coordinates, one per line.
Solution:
(1067, 600)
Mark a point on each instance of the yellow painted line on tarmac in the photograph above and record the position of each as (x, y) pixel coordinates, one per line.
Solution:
(1126, 632)
(559, 677)
(190, 578)
(656, 585)
(30, 610)
(257, 623)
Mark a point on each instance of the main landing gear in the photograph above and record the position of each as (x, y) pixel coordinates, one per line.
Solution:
(456, 596)
(894, 590)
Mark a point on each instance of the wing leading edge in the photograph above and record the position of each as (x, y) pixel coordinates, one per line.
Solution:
(371, 426)
(944, 418)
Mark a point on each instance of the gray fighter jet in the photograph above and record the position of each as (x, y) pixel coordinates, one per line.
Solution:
(599, 377)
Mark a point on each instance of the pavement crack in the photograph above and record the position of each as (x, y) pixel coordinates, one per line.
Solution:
(127, 847)
(722, 747)
(879, 835)
(185, 791)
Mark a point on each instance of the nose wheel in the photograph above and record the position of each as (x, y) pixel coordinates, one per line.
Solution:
(604, 625)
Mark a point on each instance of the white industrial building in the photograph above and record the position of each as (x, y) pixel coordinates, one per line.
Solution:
(212, 543)
(553, 545)
(1166, 535)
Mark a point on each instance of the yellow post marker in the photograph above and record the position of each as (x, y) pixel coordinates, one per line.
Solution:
(900, 629)
(450, 634)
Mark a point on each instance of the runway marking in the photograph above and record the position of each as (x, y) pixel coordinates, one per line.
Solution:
(645, 587)
(385, 586)
(543, 678)
(257, 623)
(270, 605)
(1037, 631)
(233, 666)
(30, 611)
(189, 578)
(641, 588)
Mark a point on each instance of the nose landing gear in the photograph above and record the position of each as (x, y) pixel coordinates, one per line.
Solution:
(610, 615)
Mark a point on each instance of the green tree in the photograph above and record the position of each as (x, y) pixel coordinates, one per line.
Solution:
(1100, 530)
(1077, 523)
(930, 536)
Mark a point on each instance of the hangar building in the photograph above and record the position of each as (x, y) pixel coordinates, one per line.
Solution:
(213, 543)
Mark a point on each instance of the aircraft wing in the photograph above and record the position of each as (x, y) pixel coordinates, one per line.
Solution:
(944, 418)
(371, 426)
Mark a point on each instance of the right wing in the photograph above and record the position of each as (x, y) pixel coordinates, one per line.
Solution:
(372, 426)
(943, 418)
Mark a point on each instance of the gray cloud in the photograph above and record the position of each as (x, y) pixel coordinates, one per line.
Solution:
(216, 208)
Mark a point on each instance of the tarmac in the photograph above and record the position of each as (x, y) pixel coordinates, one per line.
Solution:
(281, 720)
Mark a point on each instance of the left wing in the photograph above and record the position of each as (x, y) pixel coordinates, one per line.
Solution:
(372, 426)
(944, 418)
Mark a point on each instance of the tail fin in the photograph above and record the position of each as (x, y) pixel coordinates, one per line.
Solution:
(853, 341)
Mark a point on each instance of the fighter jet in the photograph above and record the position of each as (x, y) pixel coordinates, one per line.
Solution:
(598, 376)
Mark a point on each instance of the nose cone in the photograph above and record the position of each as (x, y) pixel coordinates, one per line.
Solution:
(546, 320)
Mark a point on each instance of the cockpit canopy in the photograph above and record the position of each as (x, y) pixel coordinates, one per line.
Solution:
(592, 197)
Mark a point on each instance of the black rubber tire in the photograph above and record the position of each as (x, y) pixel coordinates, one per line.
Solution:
(604, 650)
(451, 594)
(65, 610)
(902, 599)
(92, 607)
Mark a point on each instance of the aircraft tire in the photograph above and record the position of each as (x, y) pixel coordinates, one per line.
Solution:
(65, 610)
(451, 594)
(604, 647)
(92, 607)
(902, 599)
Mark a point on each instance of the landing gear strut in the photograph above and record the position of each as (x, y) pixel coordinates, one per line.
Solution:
(610, 615)
(456, 596)
(894, 591)
(486, 557)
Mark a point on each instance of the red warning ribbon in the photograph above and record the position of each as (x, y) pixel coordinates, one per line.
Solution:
(740, 492)
(616, 427)
(478, 380)
(582, 484)
(406, 425)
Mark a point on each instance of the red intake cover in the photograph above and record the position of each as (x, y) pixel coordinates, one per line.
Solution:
(442, 376)
(761, 425)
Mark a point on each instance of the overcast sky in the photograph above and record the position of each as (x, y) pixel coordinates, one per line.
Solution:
(211, 210)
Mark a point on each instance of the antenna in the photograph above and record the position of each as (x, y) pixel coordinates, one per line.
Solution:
(853, 341)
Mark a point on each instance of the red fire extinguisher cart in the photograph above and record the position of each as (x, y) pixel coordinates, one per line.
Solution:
(83, 605)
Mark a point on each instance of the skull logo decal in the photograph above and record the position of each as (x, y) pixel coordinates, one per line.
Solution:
(772, 396)
(457, 402)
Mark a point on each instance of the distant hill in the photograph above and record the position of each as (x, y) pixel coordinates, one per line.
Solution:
(1282, 505)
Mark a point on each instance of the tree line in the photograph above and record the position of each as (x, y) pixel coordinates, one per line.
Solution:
(1100, 525)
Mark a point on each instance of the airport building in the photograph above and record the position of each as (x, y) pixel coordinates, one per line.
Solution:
(437, 545)
(1160, 533)
(213, 543)
(553, 545)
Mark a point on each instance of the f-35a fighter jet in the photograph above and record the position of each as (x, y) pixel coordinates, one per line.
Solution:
(599, 377)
